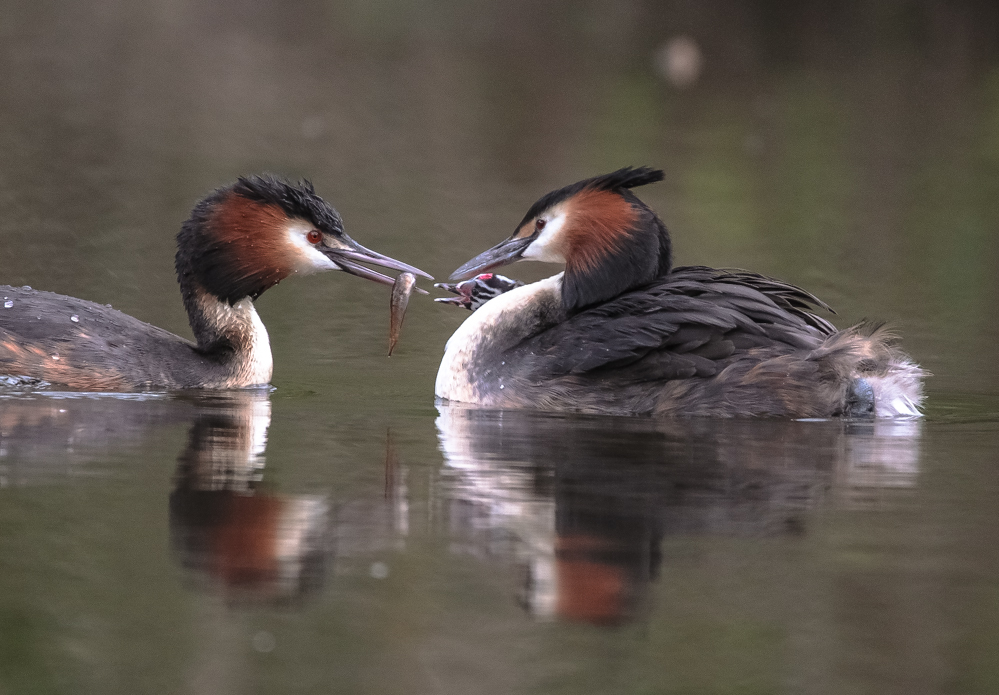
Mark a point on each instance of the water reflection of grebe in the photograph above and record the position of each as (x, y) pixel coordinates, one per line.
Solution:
(256, 544)
(581, 505)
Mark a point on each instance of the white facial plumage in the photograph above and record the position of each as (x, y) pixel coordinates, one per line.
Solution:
(310, 259)
(547, 248)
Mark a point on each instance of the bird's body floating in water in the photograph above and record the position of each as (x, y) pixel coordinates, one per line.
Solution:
(621, 331)
(240, 240)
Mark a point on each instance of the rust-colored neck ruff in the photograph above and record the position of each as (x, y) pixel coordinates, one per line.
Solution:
(247, 248)
(236, 218)
(612, 244)
(598, 223)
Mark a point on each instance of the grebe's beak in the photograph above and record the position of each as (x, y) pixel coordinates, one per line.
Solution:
(503, 253)
(347, 255)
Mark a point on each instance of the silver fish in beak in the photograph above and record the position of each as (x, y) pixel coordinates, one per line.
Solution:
(402, 288)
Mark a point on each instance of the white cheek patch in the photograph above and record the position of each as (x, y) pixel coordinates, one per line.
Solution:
(308, 259)
(546, 247)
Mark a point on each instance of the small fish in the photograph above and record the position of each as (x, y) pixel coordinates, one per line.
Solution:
(401, 290)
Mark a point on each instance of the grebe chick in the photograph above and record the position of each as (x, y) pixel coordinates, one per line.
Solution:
(621, 331)
(477, 291)
(240, 240)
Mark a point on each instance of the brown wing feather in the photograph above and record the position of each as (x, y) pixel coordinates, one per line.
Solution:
(677, 326)
(102, 350)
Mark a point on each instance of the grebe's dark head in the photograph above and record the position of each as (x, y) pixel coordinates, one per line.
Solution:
(246, 237)
(609, 240)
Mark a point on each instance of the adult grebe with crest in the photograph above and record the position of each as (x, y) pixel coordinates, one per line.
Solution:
(622, 331)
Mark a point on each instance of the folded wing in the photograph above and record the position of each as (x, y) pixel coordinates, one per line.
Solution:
(692, 322)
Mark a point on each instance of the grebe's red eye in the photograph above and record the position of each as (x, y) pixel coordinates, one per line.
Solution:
(540, 224)
(314, 237)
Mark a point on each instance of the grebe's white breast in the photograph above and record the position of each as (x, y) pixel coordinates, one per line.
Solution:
(507, 319)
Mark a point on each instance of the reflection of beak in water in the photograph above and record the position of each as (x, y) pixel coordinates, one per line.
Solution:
(256, 544)
(582, 504)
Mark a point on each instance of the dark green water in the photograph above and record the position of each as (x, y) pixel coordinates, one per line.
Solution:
(340, 533)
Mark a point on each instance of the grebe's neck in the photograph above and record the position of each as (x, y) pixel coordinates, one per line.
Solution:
(219, 280)
(231, 337)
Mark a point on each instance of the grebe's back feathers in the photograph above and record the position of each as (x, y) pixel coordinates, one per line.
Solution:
(702, 313)
(65, 340)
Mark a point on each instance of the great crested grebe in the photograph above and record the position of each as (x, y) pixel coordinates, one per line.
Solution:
(239, 241)
(621, 331)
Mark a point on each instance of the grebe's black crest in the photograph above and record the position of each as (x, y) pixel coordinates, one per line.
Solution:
(616, 181)
(297, 200)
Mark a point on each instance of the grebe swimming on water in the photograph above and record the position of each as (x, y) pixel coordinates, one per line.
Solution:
(621, 331)
(239, 241)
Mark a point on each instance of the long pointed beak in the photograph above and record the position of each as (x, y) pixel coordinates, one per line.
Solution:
(346, 257)
(503, 253)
